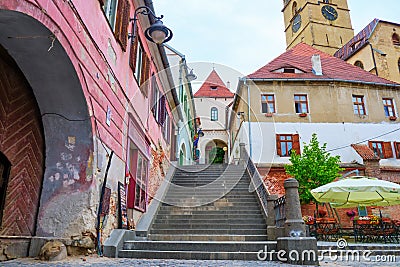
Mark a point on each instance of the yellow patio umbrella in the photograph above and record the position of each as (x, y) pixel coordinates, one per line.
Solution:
(358, 191)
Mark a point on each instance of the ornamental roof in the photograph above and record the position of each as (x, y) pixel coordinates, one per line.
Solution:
(214, 87)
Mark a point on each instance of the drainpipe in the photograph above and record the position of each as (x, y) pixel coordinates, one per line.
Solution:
(248, 117)
(373, 57)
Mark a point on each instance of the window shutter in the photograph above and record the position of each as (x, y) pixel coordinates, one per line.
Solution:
(278, 145)
(370, 145)
(133, 54)
(296, 143)
(162, 110)
(397, 148)
(118, 20)
(101, 2)
(125, 24)
(387, 149)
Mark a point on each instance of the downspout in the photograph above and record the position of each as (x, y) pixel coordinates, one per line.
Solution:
(373, 57)
(248, 118)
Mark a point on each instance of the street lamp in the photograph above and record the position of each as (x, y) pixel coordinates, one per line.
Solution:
(157, 32)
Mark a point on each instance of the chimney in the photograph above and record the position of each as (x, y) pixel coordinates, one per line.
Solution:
(316, 64)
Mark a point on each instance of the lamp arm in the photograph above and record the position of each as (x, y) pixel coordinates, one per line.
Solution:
(144, 10)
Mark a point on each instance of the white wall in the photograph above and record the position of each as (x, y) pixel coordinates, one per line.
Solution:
(203, 110)
(336, 135)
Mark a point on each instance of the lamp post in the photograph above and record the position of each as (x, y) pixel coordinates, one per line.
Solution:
(157, 32)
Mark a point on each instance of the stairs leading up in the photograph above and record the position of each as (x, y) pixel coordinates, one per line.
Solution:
(207, 213)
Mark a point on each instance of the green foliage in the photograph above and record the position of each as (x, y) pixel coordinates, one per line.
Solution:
(217, 155)
(313, 168)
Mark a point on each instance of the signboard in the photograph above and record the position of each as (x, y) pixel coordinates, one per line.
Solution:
(123, 216)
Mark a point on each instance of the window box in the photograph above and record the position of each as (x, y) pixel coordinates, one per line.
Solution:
(268, 114)
(303, 115)
(392, 118)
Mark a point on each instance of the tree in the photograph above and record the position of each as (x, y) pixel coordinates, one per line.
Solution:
(313, 168)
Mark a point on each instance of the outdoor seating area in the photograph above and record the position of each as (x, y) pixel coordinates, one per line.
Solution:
(367, 229)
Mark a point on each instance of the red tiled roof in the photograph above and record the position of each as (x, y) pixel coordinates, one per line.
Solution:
(365, 152)
(214, 87)
(333, 68)
(357, 42)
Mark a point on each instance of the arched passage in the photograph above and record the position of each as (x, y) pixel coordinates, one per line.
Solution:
(215, 151)
(64, 178)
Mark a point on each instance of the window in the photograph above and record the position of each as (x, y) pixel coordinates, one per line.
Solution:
(140, 65)
(268, 104)
(358, 63)
(294, 8)
(381, 149)
(214, 87)
(326, 1)
(118, 13)
(398, 64)
(358, 105)
(158, 103)
(396, 39)
(167, 130)
(285, 143)
(300, 103)
(289, 70)
(138, 171)
(388, 107)
(397, 149)
(214, 114)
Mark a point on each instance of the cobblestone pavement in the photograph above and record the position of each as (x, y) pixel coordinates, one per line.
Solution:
(103, 261)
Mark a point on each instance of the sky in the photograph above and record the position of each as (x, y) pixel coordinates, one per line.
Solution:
(238, 37)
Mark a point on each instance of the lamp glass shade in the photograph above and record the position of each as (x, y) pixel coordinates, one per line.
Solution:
(158, 36)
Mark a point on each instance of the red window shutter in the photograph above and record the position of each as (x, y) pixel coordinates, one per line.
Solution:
(397, 149)
(124, 25)
(296, 143)
(387, 150)
(118, 20)
(370, 145)
(278, 145)
(133, 53)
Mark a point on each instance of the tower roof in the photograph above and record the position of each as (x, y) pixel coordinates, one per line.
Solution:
(299, 59)
(214, 87)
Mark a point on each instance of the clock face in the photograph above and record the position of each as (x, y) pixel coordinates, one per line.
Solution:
(296, 23)
(329, 12)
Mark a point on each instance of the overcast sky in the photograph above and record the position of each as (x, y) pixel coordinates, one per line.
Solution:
(244, 35)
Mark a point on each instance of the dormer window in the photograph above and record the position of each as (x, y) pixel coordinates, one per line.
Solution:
(214, 87)
(289, 70)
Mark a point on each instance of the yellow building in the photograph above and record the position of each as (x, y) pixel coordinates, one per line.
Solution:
(325, 25)
(376, 49)
(304, 91)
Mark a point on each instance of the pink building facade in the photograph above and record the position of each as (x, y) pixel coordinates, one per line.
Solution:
(82, 105)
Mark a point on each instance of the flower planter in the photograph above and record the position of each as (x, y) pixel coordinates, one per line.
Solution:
(268, 114)
(303, 115)
(392, 118)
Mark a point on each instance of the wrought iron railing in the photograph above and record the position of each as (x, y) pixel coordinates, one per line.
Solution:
(257, 183)
(280, 215)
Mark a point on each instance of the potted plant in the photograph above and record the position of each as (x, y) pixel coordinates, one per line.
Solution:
(308, 219)
(303, 115)
(269, 114)
(392, 118)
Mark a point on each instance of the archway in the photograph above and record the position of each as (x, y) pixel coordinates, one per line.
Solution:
(65, 171)
(215, 152)
(182, 155)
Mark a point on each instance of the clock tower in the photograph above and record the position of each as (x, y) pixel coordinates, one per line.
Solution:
(325, 24)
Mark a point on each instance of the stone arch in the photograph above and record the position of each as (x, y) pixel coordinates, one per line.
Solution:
(212, 144)
(64, 114)
(182, 154)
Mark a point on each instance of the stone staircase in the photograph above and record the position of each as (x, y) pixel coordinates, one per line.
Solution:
(207, 213)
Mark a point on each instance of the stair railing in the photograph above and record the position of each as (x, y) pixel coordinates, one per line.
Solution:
(280, 214)
(257, 183)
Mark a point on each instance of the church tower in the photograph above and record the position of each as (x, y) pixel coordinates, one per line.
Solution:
(325, 24)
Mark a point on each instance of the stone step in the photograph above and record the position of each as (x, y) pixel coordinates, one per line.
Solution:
(190, 232)
(211, 221)
(227, 246)
(188, 226)
(206, 237)
(206, 216)
(214, 206)
(191, 203)
(209, 212)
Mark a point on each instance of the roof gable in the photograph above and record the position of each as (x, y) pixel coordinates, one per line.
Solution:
(214, 87)
(333, 68)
